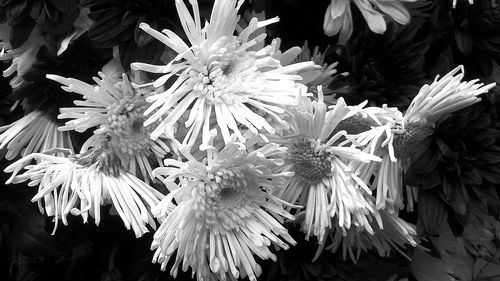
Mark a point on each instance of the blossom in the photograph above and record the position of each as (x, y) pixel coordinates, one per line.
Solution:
(34, 132)
(22, 57)
(398, 136)
(323, 182)
(80, 184)
(219, 73)
(338, 16)
(220, 212)
(117, 110)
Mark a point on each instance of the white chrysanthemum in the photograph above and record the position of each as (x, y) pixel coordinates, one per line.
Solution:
(34, 132)
(117, 110)
(220, 212)
(323, 182)
(445, 95)
(398, 135)
(219, 74)
(80, 184)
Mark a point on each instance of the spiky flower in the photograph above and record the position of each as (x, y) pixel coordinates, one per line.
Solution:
(80, 184)
(219, 73)
(397, 136)
(220, 212)
(323, 182)
(117, 110)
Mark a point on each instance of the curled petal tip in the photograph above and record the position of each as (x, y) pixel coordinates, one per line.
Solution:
(144, 26)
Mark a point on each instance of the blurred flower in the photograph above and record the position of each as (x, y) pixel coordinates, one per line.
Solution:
(220, 72)
(35, 132)
(323, 182)
(21, 58)
(116, 23)
(117, 110)
(338, 17)
(220, 212)
(80, 184)
(383, 69)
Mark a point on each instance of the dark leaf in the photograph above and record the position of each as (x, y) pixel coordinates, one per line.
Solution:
(20, 33)
(464, 42)
(432, 211)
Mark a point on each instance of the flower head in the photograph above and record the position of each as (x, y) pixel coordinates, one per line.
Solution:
(323, 182)
(338, 17)
(117, 110)
(223, 214)
(398, 136)
(80, 184)
(219, 73)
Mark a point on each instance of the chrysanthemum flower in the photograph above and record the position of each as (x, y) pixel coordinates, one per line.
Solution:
(338, 17)
(35, 132)
(220, 212)
(80, 184)
(117, 110)
(323, 182)
(21, 58)
(398, 136)
(219, 73)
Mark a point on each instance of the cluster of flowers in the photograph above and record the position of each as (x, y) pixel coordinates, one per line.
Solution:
(241, 136)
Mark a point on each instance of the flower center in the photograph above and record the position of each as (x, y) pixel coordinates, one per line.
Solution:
(222, 200)
(312, 162)
(406, 142)
(125, 122)
(355, 124)
(107, 160)
(221, 72)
